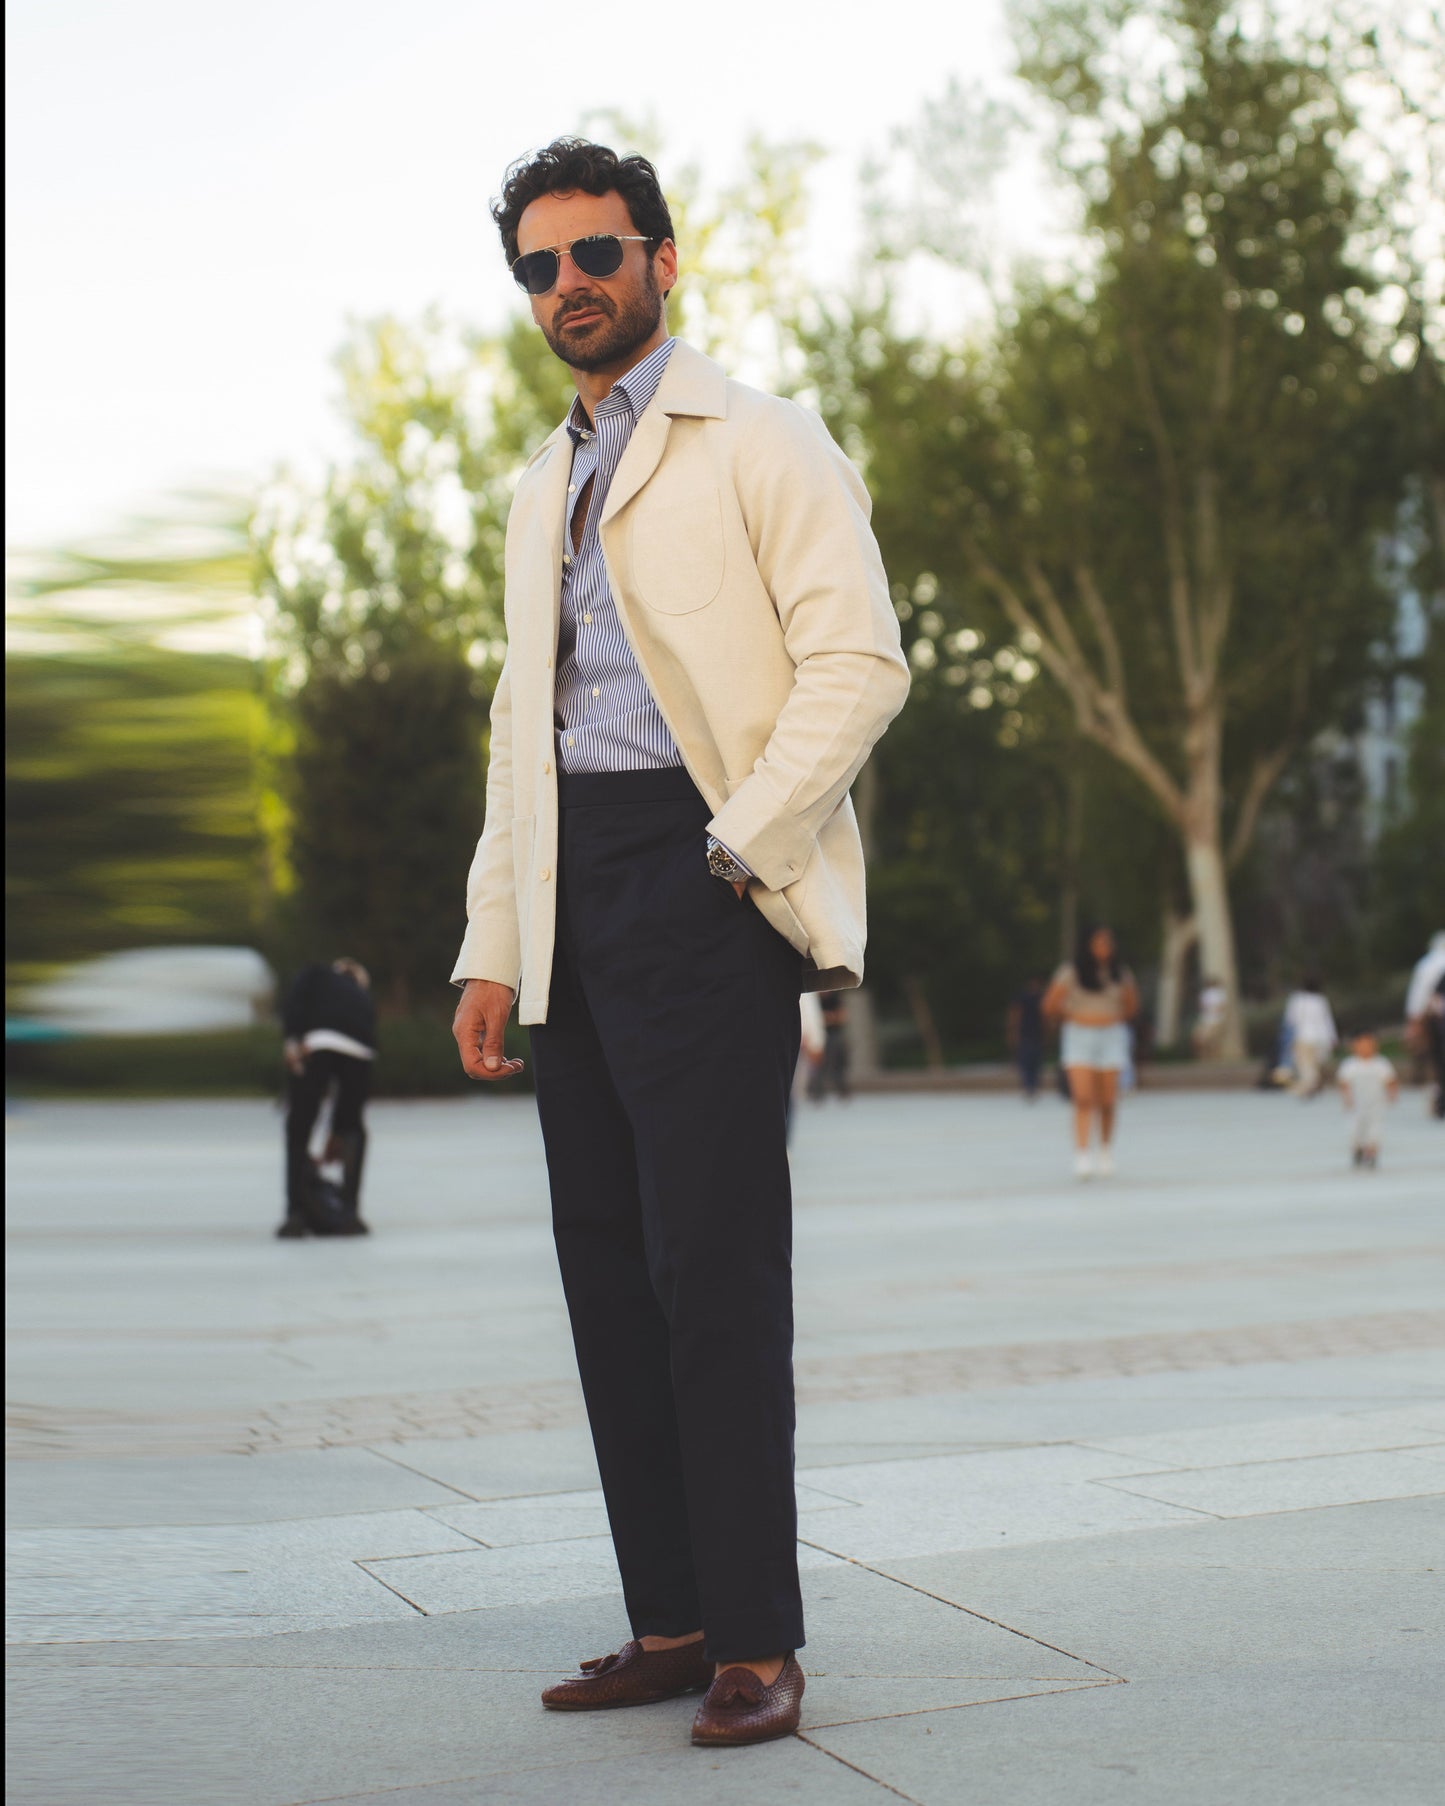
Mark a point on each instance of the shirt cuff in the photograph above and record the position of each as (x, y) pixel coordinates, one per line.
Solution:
(713, 843)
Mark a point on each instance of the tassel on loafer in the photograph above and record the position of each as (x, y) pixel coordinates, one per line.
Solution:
(633, 1676)
(739, 1708)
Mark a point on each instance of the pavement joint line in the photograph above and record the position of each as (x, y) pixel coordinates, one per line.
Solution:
(967, 1705)
(970, 1611)
(1214, 1467)
(391, 1589)
(833, 1756)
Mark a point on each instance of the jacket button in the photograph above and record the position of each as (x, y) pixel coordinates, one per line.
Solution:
(544, 874)
(546, 768)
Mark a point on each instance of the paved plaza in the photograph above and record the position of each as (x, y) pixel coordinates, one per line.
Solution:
(1123, 1491)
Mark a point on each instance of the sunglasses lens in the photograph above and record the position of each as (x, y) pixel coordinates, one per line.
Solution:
(536, 272)
(598, 256)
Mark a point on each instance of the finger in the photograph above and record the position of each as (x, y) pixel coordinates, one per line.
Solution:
(494, 1056)
(475, 1067)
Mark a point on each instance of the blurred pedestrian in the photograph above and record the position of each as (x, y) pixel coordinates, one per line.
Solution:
(810, 1049)
(1025, 1033)
(701, 653)
(1313, 1035)
(329, 1020)
(1095, 997)
(1209, 1021)
(830, 1073)
(1368, 1085)
(1425, 1017)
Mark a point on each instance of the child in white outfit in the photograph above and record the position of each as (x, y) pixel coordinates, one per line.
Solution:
(1368, 1085)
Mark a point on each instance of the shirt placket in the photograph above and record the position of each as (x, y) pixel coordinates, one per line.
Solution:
(612, 435)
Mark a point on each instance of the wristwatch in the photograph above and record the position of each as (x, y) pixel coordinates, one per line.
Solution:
(721, 863)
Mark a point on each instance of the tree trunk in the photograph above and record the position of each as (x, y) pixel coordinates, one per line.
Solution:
(1209, 892)
(1176, 943)
(860, 1027)
(924, 1023)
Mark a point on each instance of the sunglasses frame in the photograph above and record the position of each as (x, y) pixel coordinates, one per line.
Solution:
(621, 238)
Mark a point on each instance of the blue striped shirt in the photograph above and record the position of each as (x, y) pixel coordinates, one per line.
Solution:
(607, 718)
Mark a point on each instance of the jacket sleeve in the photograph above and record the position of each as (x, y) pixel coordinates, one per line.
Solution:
(807, 513)
(492, 945)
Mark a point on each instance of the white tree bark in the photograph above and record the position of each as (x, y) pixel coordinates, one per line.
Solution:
(1176, 942)
(1209, 892)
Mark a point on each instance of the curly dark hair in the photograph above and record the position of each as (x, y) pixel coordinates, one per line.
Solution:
(570, 165)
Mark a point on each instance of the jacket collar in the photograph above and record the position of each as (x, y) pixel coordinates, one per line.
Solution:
(693, 383)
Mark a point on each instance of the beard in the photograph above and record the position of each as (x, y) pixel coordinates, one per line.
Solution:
(626, 324)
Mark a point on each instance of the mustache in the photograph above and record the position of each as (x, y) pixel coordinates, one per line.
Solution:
(588, 304)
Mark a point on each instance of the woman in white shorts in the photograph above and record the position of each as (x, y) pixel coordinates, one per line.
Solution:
(1095, 998)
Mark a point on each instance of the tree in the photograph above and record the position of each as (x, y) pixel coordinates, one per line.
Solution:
(130, 733)
(1172, 471)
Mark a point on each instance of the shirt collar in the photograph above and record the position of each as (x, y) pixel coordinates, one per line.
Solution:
(636, 390)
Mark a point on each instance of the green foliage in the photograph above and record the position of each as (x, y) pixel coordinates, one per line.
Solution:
(418, 1059)
(386, 806)
(128, 802)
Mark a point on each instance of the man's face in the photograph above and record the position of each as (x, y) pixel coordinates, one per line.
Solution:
(594, 322)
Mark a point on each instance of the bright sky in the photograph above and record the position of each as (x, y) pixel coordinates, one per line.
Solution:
(202, 195)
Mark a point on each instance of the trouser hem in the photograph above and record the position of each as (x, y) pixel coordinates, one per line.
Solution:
(750, 1640)
(666, 1627)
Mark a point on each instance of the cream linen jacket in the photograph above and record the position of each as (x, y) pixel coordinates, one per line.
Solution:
(750, 588)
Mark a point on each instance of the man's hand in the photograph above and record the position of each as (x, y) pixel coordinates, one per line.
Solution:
(480, 1025)
(294, 1054)
(740, 885)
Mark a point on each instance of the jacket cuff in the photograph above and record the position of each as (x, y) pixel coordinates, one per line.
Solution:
(760, 834)
(496, 958)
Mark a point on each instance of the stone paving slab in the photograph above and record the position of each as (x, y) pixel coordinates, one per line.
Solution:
(213, 1489)
(1027, 1409)
(384, 1720)
(1305, 1483)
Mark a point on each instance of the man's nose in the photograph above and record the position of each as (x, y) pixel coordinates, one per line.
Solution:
(570, 280)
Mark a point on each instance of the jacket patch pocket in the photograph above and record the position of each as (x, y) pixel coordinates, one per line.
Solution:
(677, 551)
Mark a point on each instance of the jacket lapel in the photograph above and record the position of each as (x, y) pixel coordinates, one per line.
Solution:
(691, 384)
(547, 476)
(640, 460)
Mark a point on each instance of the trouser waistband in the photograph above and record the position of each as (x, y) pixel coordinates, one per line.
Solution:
(591, 789)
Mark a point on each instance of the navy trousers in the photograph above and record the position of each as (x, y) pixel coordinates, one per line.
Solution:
(663, 1073)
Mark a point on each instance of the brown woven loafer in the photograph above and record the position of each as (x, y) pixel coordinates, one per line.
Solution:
(740, 1709)
(633, 1677)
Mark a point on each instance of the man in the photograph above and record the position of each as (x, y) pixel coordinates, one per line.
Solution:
(1025, 1032)
(701, 652)
(329, 1020)
(831, 1070)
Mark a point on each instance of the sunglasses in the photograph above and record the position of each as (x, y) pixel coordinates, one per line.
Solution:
(600, 255)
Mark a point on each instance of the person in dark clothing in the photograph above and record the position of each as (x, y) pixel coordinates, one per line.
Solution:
(329, 1019)
(831, 1070)
(1026, 1035)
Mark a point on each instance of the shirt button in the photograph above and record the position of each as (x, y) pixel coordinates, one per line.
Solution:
(566, 558)
(570, 740)
(595, 690)
(586, 620)
(571, 489)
